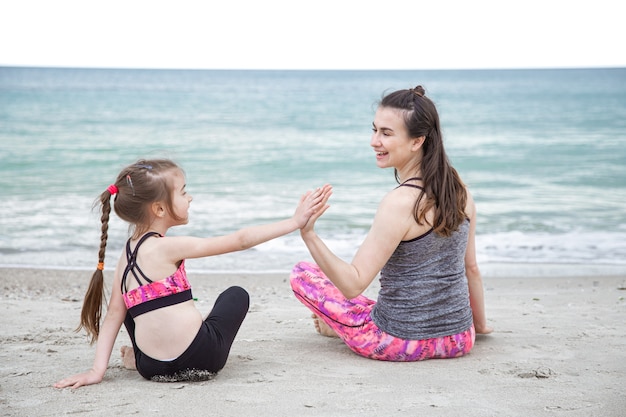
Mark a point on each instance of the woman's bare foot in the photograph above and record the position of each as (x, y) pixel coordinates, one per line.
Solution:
(128, 357)
(322, 328)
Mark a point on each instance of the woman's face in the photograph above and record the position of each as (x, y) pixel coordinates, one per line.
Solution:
(390, 140)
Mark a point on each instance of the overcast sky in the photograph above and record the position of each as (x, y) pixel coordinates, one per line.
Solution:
(320, 34)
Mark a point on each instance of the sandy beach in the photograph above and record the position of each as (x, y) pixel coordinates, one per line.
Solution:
(558, 350)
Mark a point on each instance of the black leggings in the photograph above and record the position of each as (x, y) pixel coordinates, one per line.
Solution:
(211, 346)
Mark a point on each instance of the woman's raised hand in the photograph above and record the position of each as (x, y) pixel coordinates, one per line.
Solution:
(312, 205)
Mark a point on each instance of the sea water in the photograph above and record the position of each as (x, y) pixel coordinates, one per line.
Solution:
(542, 151)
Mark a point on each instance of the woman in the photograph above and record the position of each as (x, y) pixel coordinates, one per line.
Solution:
(421, 242)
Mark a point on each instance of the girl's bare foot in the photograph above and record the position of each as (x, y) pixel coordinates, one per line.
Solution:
(322, 328)
(128, 357)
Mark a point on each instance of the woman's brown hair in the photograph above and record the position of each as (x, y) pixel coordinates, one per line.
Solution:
(444, 191)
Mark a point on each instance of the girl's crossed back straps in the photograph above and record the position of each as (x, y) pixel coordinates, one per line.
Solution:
(131, 266)
(153, 295)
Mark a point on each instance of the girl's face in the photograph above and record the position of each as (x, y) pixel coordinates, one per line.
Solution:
(180, 198)
(391, 142)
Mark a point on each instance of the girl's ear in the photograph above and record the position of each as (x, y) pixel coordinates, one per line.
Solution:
(158, 210)
(418, 142)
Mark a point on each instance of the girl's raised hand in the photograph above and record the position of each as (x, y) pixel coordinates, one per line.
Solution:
(312, 204)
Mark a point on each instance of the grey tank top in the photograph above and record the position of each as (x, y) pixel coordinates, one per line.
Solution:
(423, 288)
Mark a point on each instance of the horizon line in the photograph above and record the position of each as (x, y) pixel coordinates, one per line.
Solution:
(88, 67)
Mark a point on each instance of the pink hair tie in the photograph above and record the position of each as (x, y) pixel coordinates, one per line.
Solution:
(113, 189)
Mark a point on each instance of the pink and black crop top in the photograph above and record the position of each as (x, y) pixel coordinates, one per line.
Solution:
(153, 295)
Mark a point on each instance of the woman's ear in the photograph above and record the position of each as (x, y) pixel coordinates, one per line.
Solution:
(418, 142)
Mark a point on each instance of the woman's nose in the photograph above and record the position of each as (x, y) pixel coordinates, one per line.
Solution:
(374, 141)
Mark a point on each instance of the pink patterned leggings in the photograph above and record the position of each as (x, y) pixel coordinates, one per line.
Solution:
(351, 320)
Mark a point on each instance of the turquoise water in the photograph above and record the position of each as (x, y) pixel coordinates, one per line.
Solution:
(543, 151)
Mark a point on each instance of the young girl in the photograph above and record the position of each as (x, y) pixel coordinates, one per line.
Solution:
(151, 294)
(421, 242)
